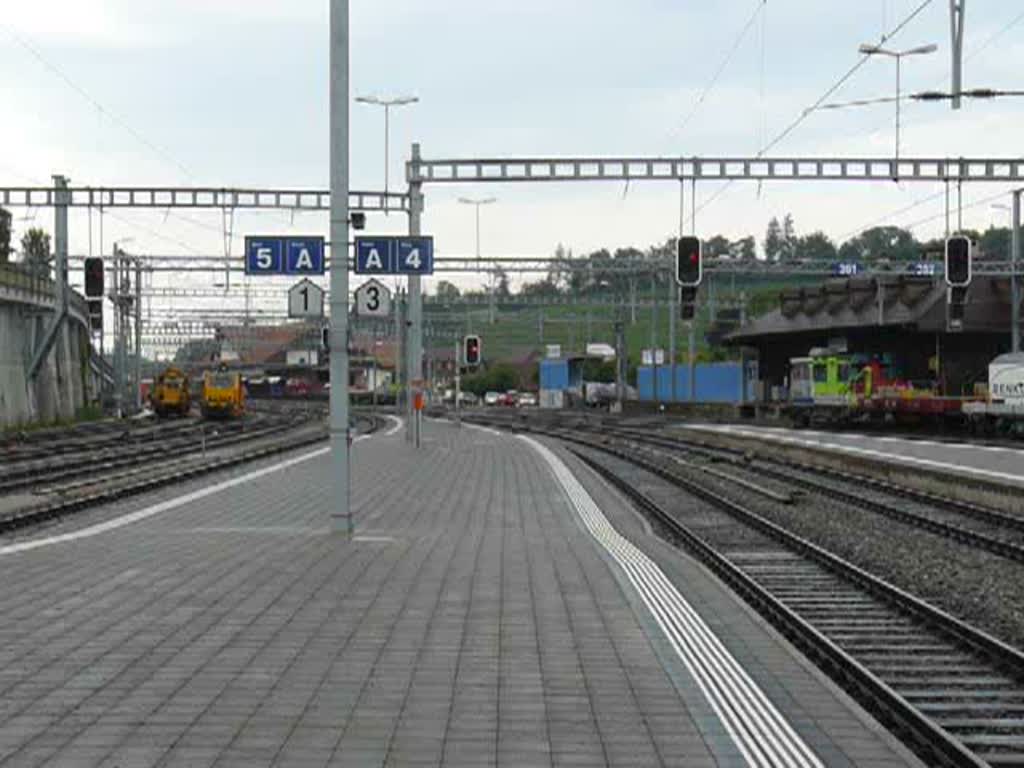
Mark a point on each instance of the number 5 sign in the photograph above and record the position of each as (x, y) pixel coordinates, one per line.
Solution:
(373, 299)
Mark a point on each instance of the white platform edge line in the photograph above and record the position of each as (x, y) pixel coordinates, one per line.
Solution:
(901, 459)
(758, 729)
(394, 430)
(163, 506)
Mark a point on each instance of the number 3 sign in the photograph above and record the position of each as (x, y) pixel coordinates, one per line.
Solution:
(373, 299)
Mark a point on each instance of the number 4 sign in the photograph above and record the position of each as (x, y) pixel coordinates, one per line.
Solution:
(416, 255)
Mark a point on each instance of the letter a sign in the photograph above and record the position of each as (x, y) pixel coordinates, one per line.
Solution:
(374, 255)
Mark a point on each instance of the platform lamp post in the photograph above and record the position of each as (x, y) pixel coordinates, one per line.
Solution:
(876, 50)
(476, 203)
(397, 101)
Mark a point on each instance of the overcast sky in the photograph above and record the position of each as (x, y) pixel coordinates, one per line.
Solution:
(234, 92)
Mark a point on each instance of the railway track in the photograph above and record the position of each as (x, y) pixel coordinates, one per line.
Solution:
(971, 524)
(954, 693)
(276, 436)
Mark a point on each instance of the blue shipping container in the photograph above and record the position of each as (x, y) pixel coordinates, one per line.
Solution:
(716, 383)
(554, 374)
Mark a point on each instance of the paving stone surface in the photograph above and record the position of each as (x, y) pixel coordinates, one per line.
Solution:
(471, 621)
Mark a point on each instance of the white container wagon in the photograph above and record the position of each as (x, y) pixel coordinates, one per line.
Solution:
(1003, 411)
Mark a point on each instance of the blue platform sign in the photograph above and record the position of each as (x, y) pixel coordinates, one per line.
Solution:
(304, 256)
(395, 255)
(264, 255)
(415, 256)
(846, 268)
(374, 256)
(924, 268)
(276, 255)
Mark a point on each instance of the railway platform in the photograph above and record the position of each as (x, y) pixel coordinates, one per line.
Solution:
(997, 465)
(499, 604)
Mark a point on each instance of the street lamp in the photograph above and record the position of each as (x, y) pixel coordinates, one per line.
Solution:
(876, 50)
(477, 202)
(397, 101)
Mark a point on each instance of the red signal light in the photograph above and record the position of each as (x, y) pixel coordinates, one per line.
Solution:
(688, 261)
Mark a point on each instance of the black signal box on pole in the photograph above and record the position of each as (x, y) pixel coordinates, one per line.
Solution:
(689, 262)
(687, 302)
(93, 277)
(958, 261)
(471, 351)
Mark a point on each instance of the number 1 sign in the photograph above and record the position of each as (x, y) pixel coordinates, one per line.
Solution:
(306, 299)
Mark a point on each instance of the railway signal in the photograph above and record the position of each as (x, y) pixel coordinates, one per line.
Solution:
(471, 350)
(689, 262)
(687, 302)
(958, 261)
(94, 277)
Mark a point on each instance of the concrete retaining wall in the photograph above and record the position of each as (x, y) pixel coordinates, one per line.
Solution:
(63, 384)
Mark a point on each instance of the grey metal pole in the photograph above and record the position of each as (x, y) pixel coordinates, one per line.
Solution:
(672, 289)
(947, 209)
(632, 301)
(899, 61)
(415, 345)
(492, 299)
(654, 333)
(60, 242)
(458, 383)
(341, 513)
(959, 205)
(1014, 281)
(387, 145)
(693, 360)
(60, 257)
(138, 334)
(620, 364)
(115, 289)
(956, 21)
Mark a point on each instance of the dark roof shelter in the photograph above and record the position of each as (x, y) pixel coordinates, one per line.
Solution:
(904, 316)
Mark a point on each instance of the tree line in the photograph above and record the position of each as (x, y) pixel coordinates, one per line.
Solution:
(35, 245)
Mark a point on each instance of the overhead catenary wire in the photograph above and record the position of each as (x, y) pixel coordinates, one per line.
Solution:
(1013, 22)
(113, 116)
(782, 135)
(744, 31)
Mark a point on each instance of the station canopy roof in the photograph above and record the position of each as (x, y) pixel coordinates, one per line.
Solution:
(916, 304)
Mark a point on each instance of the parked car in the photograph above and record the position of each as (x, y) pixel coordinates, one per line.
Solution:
(527, 399)
(510, 399)
(492, 398)
(297, 387)
(467, 398)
